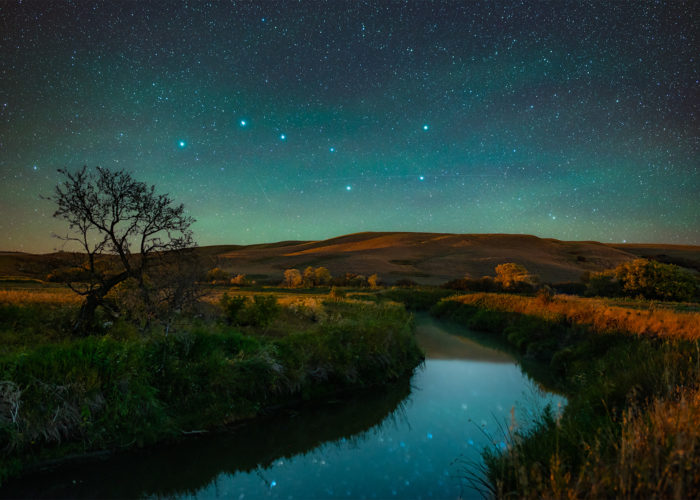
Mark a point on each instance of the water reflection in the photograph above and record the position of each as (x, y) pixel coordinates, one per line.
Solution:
(186, 467)
(409, 440)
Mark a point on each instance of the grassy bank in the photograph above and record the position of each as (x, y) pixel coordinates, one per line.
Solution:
(631, 377)
(61, 395)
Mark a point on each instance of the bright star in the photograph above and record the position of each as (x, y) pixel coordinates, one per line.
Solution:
(421, 178)
(425, 127)
(282, 137)
(243, 123)
(332, 150)
(182, 144)
(348, 188)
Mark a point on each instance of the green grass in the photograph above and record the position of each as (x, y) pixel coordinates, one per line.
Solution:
(123, 387)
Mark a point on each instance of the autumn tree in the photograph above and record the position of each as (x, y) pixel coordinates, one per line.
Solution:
(309, 279)
(323, 276)
(512, 276)
(125, 231)
(645, 278)
(292, 278)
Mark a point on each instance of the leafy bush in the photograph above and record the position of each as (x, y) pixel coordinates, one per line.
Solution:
(512, 276)
(232, 306)
(645, 278)
(260, 312)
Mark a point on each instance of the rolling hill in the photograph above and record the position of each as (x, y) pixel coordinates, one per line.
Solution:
(429, 258)
(433, 258)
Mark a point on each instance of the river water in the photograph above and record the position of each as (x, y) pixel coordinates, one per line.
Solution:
(415, 439)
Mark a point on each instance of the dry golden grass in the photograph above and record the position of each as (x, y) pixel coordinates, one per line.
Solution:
(657, 455)
(54, 296)
(596, 313)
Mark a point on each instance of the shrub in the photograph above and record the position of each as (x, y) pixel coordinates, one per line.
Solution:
(336, 293)
(645, 278)
(232, 306)
(216, 274)
(512, 276)
(260, 312)
(240, 280)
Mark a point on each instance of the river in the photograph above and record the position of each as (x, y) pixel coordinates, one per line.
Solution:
(414, 439)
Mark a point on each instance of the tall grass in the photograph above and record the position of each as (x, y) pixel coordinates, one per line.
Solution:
(630, 426)
(596, 314)
(43, 295)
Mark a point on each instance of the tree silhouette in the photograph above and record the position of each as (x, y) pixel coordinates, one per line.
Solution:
(124, 229)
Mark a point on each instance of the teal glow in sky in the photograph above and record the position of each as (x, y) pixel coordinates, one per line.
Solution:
(306, 120)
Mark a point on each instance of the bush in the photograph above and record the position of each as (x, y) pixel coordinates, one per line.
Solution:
(260, 312)
(515, 277)
(216, 274)
(232, 306)
(645, 278)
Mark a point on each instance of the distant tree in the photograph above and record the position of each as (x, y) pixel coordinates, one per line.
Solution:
(655, 280)
(645, 278)
(240, 280)
(309, 278)
(216, 274)
(292, 278)
(124, 229)
(512, 276)
(323, 276)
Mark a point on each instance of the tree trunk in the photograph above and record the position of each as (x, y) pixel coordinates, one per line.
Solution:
(86, 315)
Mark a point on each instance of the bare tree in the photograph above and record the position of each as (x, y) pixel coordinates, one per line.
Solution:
(123, 227)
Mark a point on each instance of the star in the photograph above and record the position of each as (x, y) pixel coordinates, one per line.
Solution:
(332, 150)
(182, 144)
(421, 178)
(425, 127)
(243, 123)
(348, 188)
(283, 137)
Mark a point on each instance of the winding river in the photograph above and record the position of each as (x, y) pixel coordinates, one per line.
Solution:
(415, 439)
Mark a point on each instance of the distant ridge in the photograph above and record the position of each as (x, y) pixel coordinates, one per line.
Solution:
(433, 258)
(428, 258)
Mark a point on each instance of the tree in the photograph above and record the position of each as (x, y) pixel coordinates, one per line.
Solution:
(292, 278)
(124, 229)
(309, 278)
(323, 276)
(216, 274)
(514, 276)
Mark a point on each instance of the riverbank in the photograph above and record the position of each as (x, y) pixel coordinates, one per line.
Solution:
(120, 388)
(407, 439)
(631, 377)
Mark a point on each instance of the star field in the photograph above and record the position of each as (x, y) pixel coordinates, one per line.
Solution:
(306, 120)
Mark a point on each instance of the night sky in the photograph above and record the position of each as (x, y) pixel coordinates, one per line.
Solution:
(279, 120)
